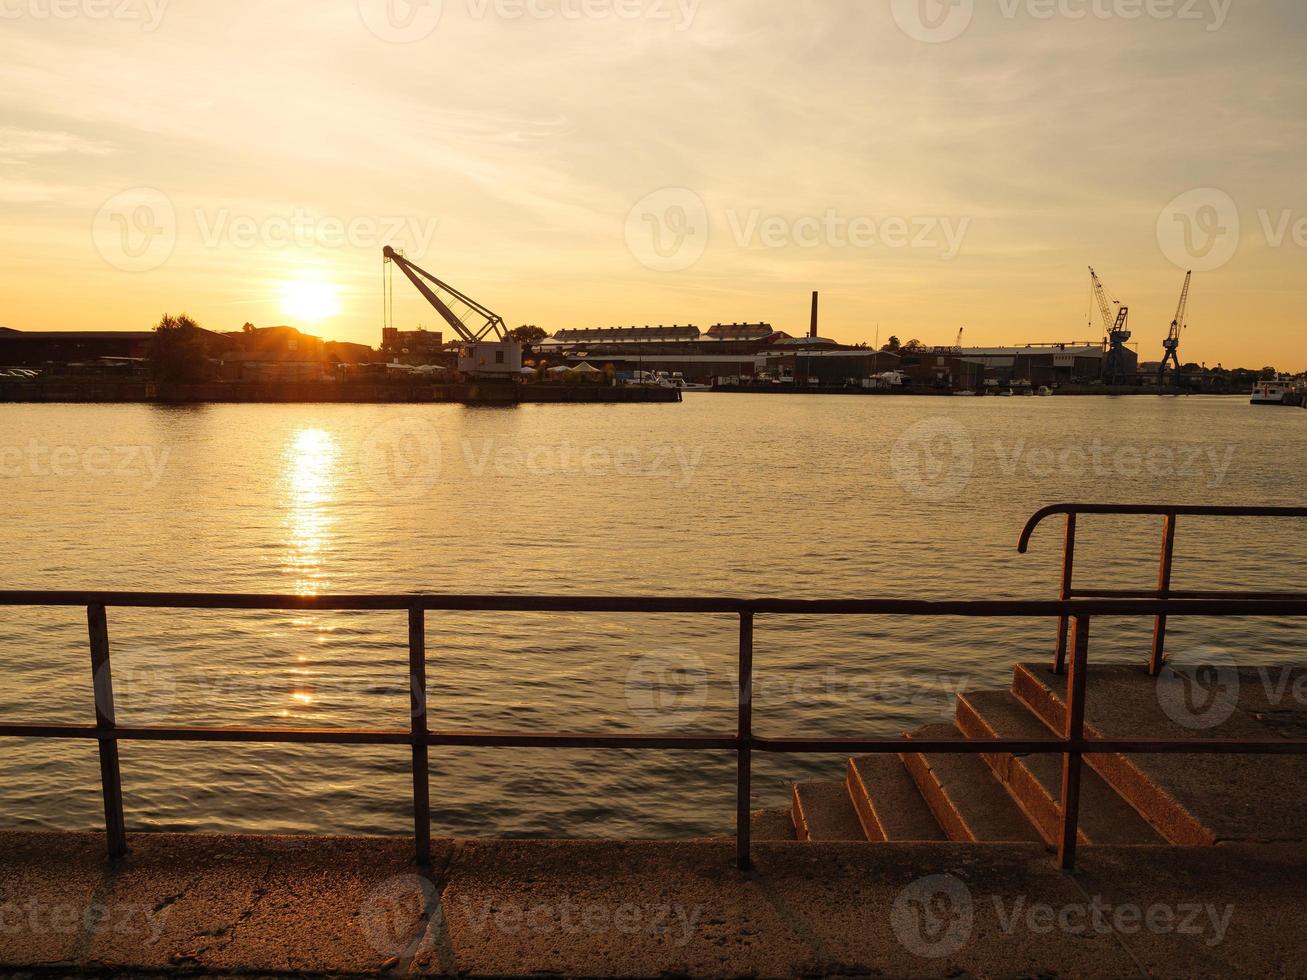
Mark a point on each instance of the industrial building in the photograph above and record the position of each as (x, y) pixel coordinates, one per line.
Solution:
(1077, 362)
(34, 348)
(758, 350)
(418, 343)
(724, 350)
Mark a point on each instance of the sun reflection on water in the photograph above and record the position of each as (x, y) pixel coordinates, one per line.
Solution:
(310, 491)
(310, 481)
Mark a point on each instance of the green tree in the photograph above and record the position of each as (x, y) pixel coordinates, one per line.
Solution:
(180, 351)
(528, 334)
(892, 345)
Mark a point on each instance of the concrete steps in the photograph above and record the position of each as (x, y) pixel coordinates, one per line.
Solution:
(823, 812)
(772, 824)
(1037, 688)
(888, 803)
(1190, 800)
(1035, 781)
(969, 803)
(1131, 800)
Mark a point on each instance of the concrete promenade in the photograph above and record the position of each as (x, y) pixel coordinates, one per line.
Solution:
(219, 905)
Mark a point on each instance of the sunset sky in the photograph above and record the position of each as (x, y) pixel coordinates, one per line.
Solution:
(578, 163)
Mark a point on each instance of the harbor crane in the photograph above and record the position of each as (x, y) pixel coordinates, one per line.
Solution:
(1118, 332)
(1171, 345)
(487, 350)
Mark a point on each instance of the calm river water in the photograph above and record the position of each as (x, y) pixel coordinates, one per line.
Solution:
(746, 495)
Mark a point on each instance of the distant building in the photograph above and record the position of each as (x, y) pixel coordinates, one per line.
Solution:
(943, 368)
(740, 331)
(344, 352)
(271, 366)
(1040, 364)
(726, 350)
(623, 335)
(272, 354)
(826, 365)
(34, 348)
(396, 343)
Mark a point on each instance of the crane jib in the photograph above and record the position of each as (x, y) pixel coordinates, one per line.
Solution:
(419, 277)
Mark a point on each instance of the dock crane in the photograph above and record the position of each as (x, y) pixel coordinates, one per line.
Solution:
(1114, 366)
(488, 350)
(1171, 345)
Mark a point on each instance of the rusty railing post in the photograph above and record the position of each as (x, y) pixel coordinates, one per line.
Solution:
(111, 777)
(1072, 758)
(417, 669)
(1068, 567)
(744, 736)
(1158, 656)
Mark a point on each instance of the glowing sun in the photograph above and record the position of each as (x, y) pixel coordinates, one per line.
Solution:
(310, 300)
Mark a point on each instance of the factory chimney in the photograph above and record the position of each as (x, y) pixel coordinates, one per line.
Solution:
(812, 330)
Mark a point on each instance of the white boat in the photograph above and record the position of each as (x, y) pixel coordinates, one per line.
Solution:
(677, 380)
(663, 379)
(684, 385)
(1276, 393)
(1044, 391)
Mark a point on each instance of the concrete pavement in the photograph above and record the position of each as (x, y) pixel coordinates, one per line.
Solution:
(219, 905)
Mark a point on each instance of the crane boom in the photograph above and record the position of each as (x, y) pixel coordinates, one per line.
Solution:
(1100, 294)
(1117, 365)
(1171, 345)
(1178, 323)
(419, 277)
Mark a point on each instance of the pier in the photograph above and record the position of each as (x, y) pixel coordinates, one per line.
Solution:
(188, 904)
(1082, 822)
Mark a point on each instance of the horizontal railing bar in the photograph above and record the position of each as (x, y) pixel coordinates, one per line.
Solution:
(869, 746)
(1093, 746)
(396, 601)
(321, 736)
(1185, 594)
(331, 736)
(1196, 510)
(704, 741)
(1002, 608)
(1160, 510)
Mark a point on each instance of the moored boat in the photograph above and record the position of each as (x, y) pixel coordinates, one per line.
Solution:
(1276, 393)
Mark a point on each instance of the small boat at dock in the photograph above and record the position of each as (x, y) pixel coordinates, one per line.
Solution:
(1276, 393)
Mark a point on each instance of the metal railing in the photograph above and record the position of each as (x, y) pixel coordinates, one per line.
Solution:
(743, 741)
(1169, 514)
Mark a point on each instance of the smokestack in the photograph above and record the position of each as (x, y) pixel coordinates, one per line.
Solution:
(812, 331)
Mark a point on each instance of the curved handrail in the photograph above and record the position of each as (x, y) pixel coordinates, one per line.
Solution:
(1160, 510)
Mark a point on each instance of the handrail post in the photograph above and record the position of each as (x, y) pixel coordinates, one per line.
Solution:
(1072, 758)
(417, 669)
(1164, 589)
(1068, 567)
(744, 736)
(111, 778)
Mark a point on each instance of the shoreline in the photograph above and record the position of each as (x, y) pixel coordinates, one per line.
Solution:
(136, 391)
(80, 390)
